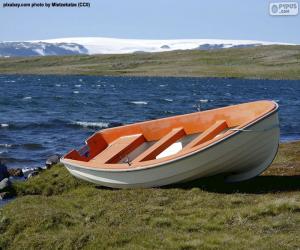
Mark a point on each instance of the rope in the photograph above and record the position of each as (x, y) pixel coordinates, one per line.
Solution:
(255, 130)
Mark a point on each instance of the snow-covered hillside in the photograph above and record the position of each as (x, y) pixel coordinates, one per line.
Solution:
(100, 45)
(14, 49)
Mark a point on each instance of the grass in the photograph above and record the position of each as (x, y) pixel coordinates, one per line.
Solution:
(55, 210)
(269, 62)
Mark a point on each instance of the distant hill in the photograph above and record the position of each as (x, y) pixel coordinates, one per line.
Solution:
(100, 45)
(269, 62)
(17, 49)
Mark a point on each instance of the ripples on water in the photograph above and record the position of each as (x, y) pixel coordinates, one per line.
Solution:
(43, 115)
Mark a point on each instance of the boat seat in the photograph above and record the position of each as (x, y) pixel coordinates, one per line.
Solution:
(119, 148)
(208, 134)
(160, 145)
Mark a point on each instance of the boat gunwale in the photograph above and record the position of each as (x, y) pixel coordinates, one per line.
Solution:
(186, 154)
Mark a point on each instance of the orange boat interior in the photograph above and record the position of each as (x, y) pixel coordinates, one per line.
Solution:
(157, 141)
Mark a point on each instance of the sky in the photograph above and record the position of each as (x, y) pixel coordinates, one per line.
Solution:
(152, 19)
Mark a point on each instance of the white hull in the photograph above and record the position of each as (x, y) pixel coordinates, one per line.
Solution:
(241, 156)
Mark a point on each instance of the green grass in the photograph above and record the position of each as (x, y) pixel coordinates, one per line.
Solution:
(55, 210)
(270, 62)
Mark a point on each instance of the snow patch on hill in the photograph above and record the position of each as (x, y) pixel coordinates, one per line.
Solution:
(101, 45)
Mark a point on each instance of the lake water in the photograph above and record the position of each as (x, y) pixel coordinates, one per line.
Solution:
(43, 115)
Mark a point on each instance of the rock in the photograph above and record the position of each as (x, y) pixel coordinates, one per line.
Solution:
(3, 171)
(40, 169)
(52, 160)
(34, 173)
(5, 195)
(5, 183)
(17, 172)
(140, 52)
(28, 171)
(165, 47)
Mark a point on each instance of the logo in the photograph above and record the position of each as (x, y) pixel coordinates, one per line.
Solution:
(283, 9)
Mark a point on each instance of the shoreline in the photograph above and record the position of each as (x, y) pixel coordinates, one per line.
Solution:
(277, 62)
(153, 76)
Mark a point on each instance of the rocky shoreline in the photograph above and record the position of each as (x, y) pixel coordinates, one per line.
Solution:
(9, 175)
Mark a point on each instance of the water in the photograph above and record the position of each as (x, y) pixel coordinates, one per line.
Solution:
(43, 115)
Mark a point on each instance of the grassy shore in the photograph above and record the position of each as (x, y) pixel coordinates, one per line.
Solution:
(268, 62)
(54, 210)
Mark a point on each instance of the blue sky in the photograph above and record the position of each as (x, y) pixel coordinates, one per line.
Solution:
(152, 19)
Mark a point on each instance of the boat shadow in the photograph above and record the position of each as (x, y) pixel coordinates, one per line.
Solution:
(257, 185)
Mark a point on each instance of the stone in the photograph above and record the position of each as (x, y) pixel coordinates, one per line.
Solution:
(3, 171)
(5, 183)
(32, 174)
(28, 171)
(52, 160)
(165, 47)
(5, 195)
(16, 172)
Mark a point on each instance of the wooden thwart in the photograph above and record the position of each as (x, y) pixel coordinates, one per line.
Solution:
(208, 134)
(119, 149)
(160, 145)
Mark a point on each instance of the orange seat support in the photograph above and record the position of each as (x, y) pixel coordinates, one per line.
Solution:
(160, 145)
(119, 148)
(96, 144)
(208, 134)
(74, 155)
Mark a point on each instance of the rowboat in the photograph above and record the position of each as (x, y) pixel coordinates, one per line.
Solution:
(238, 141)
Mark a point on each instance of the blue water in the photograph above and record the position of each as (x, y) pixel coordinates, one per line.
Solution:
(43, 115)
